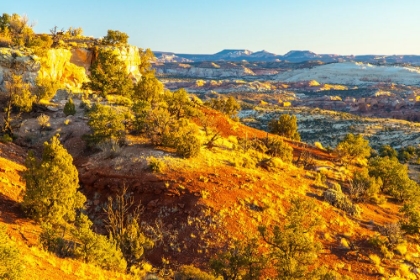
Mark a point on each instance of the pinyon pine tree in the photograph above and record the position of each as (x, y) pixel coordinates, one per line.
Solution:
(51, 185)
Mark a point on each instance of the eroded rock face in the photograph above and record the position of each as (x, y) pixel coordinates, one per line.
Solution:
(69, 67)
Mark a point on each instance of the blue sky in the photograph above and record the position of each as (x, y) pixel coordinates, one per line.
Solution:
(208, 26)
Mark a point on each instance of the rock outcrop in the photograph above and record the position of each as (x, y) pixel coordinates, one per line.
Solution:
(68, 67)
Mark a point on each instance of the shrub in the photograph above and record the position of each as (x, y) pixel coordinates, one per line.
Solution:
(376, 260)
(188, 146)
(69, 108)
(394, 175)
(254, 144)
(123, 225)
(365, 188)
(10, 259)
(393, 233)
(401, 249)
(52, 185)
(353, 147)
(43, 121)
(189, 272)
(245, 161)
(319, 146)
(46, 88)
(228, 106)
(338, 199)
(85, 104)
(320, 179)
(6, 138)
(411, 220)
(271, 164)
(277, 148)
(52, 241)
(156, 165)
(293, 245)
(286, 126)
(240, 261)
(97, 249)
(108, 75)
(107, 124)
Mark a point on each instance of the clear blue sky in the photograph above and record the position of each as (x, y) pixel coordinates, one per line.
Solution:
(208, 26)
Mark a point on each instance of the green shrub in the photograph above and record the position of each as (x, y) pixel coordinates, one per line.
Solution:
(286, 126)
(97, 249)
(85, 104)
(353, 147)
(6, 138)
(293, 245)
(107, 124)
(241, 260)
(277, 148)
(188, 146)
(10, 259)
(189, 272)
(52, 241)
(52, 185)
(69, 108)
(156, 165)
(365, 188)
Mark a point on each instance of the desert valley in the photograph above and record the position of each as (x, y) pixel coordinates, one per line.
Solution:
(120, 162)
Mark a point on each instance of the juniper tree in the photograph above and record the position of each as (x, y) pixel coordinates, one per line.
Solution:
(394, 176)
(353, 147)
(18, 96)
(286, 126)
(109, 75)
(107, 124)
(292, 245)
(69, 108)
(149, 88)
(228, 106)
(115, 37)
(52, 185)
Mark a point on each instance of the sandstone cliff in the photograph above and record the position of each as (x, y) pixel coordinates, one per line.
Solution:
(68, 67)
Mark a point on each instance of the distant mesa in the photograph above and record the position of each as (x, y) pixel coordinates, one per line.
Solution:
(233, 53)
(293, 56)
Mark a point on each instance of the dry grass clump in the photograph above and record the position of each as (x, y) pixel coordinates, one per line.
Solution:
(375, 259)
(156, 165)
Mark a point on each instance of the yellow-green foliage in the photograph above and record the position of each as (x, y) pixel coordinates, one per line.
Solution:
(386, 252)
(344, 243)
(285, 242)
(376, 260)
(43, 121)
(119, 100)
(189, 272)
(353, 147)
(52, 185)
(401, 249)
(156, 165)
(97, 249)
(319, 145)
(69, 108)
(107, 124)
(10, 259)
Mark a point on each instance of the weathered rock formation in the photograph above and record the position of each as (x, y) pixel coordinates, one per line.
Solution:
(69, 67)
